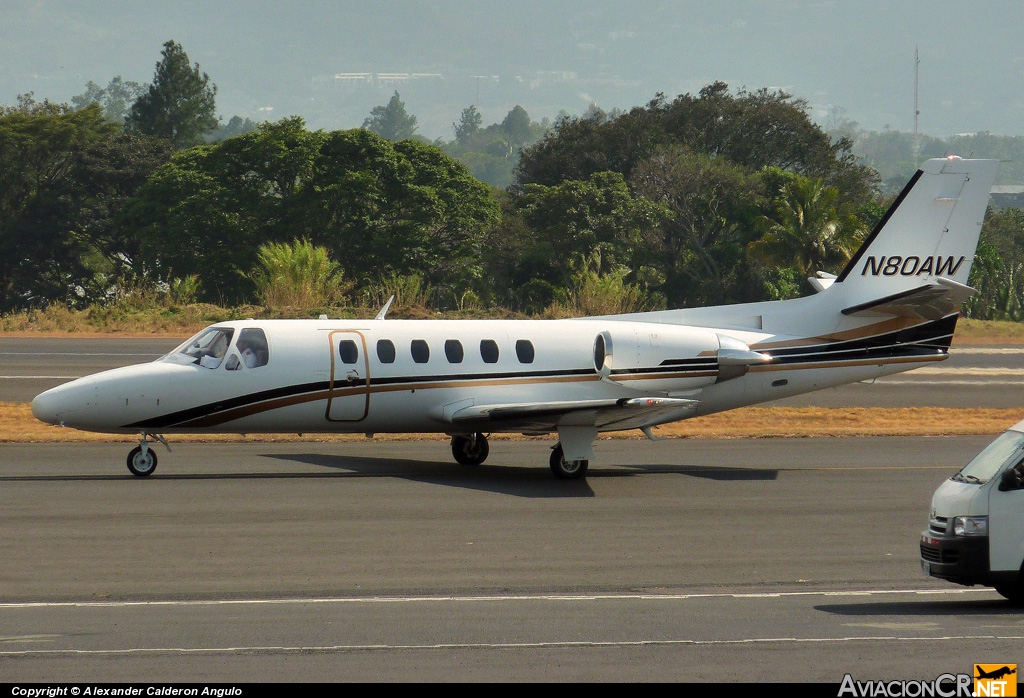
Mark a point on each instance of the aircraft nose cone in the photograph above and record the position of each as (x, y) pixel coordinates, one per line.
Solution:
(44, 407)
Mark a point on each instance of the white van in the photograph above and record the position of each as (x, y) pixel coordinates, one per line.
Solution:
(975, 532)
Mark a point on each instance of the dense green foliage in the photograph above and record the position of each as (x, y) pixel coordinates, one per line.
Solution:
(724, 167)
(377, 207)
(492, 153)
(891, 153)
(391, 121)
(63, 176)
(179, 105)
(711, 198)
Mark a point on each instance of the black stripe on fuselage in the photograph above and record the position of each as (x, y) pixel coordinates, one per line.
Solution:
(923, 341)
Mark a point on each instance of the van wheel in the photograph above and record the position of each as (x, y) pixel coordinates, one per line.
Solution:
(1014, 593)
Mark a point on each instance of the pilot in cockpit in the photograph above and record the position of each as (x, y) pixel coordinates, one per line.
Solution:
(249, 357)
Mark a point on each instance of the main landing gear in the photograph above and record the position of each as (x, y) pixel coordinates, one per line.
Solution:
(142, 459)
(566, 469)
(470, 450)
(473, 450)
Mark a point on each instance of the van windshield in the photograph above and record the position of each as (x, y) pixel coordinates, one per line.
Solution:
(987, 464)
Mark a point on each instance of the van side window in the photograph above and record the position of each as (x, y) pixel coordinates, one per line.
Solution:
(349, 351)
(453, 350)
(386, 351)
(420, 351)
(524, 351)
(489, 351)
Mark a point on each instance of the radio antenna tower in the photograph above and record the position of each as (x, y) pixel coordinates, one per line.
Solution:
(917, 112)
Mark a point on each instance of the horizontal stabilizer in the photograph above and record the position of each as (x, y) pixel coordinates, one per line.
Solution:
(932, 301)
(610, 414)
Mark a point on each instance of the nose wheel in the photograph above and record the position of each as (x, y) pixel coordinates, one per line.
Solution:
(470, 450)
(566, 469)
(142, 459)
(142, 462)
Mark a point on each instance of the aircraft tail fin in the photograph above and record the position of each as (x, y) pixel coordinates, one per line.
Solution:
(923, 247)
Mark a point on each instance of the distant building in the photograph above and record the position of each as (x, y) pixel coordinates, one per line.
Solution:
(1008, 196)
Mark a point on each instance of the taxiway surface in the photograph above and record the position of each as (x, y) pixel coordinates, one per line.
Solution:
(752, 560)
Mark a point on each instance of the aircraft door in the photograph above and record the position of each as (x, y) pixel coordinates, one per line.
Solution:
(349, 393)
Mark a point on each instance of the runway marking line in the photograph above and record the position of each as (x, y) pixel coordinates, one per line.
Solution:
(485, 598)
(507, 645)
(72, 353)
(36, 377)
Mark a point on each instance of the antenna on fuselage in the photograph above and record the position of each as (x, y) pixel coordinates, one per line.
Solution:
(384, 310)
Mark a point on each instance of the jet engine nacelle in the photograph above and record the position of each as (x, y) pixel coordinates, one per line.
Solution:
(656, 357)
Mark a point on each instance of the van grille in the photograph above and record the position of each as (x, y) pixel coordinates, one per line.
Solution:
(938, 524)
(948, 557)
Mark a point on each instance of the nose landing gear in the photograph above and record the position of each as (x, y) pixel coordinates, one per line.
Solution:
(142, 459)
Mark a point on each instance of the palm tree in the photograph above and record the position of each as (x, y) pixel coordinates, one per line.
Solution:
(810, 230)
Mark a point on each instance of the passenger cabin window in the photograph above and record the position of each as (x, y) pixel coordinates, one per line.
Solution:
(386, 351)
(524, 351)
(208, 347)
(489, 351)
(349, 351)
(453, 350)
(420, 351)
(252, 347)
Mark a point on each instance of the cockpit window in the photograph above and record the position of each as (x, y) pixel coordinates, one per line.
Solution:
(208, 347)
(252, 346)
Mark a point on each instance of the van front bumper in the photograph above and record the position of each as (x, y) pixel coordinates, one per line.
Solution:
(959, 559)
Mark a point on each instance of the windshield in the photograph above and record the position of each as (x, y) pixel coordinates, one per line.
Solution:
(206, 349)
(989, 462)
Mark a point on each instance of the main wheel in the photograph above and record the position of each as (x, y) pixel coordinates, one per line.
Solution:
(469, 451)
(141, 464)
(566, 469)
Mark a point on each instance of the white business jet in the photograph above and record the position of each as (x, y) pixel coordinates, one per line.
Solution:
(893, 308)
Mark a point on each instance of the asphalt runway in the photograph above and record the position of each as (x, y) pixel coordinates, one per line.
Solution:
(989, 376)
(718, 560)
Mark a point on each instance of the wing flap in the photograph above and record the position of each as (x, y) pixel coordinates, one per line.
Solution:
(606, 415)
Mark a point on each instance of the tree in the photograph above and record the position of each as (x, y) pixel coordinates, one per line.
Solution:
(179, 106)
(751, 129)
(701, 244)
(574, 219)
(809, 230)
(207, 211)
(518, 126)
(116, 99)
(64, 176)
(469, 123)
(377, 207)
(391, 122)
(236, 126)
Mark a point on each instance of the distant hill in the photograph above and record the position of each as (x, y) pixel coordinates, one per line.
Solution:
(891, 153)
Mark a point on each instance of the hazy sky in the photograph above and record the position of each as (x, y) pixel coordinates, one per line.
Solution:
(273, 59)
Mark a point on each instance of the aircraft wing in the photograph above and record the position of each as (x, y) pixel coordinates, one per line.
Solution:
(606, 415)
(932, 301)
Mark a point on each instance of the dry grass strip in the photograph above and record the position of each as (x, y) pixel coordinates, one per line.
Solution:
(17, 425)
